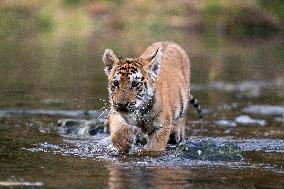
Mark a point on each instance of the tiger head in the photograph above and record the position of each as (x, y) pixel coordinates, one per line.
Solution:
(131, 81)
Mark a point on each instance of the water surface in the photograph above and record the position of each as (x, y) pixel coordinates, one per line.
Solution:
(43, 81)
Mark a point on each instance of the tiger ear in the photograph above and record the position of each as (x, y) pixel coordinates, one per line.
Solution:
(155, 62)
(109, 59)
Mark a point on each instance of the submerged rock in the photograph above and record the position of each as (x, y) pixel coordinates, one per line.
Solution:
(241, 120)
(265, 110)
(86, 128)
(225, 123)
(246, 120)
(209, 150)
(279, 120)
(82, 127)
(50, 112)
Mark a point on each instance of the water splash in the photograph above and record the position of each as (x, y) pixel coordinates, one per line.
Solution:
(101, 148)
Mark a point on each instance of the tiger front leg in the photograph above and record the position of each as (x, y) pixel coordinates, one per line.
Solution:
(159, 138)
(122, 134)
(123, 138)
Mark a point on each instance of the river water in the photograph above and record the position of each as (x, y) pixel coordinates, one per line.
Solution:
(240, 84)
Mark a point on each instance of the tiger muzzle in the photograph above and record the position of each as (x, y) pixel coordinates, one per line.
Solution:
(122, 107)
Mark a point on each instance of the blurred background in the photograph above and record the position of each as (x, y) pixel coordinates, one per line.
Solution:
(51, 50)
(51, 69)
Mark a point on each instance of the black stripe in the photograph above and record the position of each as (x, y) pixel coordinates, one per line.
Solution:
(196, 104)
(139, 98)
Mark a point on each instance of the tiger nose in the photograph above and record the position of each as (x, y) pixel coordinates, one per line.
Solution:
(122, 105)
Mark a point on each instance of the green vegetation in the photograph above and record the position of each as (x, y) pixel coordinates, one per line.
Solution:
(16, 22)
(73, 2)
(274, 6)
(148, 18)
(45, 20)
(239, 20)
(206, 29)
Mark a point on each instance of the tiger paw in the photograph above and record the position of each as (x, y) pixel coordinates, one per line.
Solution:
(123, 139)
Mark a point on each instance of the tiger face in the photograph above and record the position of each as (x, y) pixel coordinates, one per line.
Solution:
(131, 81)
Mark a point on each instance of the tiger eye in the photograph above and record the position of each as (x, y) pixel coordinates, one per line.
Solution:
(135, 83)
(115, 83)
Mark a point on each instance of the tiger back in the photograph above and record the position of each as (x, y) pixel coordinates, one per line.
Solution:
(174, 76)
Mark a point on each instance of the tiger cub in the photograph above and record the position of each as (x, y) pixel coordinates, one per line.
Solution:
(149, 94)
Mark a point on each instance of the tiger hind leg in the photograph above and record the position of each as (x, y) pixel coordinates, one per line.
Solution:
(177, 132)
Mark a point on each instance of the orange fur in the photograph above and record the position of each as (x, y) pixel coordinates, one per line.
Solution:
(162, 71)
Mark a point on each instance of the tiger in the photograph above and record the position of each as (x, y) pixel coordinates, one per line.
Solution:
(150, 95)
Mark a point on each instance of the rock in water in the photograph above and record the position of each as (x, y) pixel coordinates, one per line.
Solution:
(209, 150)
(86, 128)
(81, 127)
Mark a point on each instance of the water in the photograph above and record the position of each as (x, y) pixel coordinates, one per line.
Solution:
(239, 83)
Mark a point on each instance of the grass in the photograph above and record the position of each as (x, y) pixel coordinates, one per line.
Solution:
(150, 18)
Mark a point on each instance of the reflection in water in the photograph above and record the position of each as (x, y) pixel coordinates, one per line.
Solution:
(164, 178)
